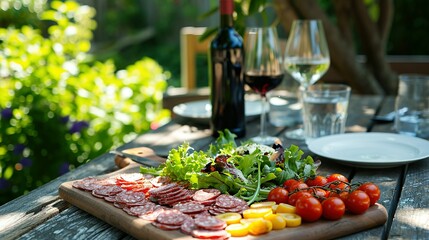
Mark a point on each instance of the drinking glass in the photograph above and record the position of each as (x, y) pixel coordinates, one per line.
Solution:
(306, 57)
(263, 69)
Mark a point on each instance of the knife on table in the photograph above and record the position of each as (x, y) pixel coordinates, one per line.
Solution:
(136, 158)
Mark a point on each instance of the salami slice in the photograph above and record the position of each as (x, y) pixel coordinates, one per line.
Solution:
(130, 197)
(189, 207)
(107, 190)
(165, 226)
(188, 226)
(207, 234)
(228, 201)
(160, 181)
(210, 223)
(164, 189)
(87, 183)
(131, 177)
(142, 210)
(153, 215)
(203, 195)
(171, 217)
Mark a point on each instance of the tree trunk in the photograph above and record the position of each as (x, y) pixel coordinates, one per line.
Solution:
(376, 76)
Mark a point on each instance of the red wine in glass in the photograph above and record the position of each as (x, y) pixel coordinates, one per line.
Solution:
(262, 83)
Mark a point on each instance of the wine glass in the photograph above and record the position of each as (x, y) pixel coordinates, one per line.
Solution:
(306, 57)
(263, 69)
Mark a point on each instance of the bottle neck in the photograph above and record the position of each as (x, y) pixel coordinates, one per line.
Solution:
(226, 10)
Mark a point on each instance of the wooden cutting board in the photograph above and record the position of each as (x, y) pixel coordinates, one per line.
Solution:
(141, 229)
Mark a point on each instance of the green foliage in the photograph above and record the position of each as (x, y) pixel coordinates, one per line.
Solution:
(59, 109)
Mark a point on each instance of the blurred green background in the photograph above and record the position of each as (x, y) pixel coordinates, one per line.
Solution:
(78, 78)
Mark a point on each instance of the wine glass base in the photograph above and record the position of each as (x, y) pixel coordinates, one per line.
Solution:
(264, 140)
(296, 134)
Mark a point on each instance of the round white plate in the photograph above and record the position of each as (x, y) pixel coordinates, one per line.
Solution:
(371, 150)
(201, 110)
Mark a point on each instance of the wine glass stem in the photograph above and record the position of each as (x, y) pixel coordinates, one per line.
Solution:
(263, 115)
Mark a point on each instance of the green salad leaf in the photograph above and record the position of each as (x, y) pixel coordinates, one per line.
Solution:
(246, 171)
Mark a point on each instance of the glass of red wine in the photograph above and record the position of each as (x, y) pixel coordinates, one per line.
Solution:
(263, 69)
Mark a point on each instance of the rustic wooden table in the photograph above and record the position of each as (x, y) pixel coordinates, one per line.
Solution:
(42, 214)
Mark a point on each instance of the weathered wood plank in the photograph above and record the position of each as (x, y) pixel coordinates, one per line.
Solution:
(411, 219)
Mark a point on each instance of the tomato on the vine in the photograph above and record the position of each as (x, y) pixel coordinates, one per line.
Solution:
(319, 192)
(372, 190)
(309, 208)
(288, 183)
(278, 195)
(338, 181)
(295, 196)
(316, 181)
(336, 176)
(358, 202)
(333, 208)
(298, 186)
(343, 195)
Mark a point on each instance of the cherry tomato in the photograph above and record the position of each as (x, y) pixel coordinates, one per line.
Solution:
(309, 208)
(319, 192)
(316, 181)
(372, 190)
(333, 208)
(358, 202)
(298, 186)
(288, 183)
(336, 176)
(295, 196)
(342, 195)
(278, 195)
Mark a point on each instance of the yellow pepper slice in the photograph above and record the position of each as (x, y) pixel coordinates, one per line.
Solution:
(259, 227)
(292, 219)
(285, 208)
(230, 218)
(256, 212)
(238, 229)
(266, 204)
(278, 222)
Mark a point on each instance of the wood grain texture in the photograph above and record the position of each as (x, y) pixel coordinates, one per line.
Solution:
(411, 219)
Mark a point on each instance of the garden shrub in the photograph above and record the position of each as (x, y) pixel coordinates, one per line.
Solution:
(59, 109)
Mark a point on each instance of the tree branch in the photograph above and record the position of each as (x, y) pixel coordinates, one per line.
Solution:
(373, 46)
(386, 19)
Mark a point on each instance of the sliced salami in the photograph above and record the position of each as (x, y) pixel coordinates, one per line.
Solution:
(160, 181)
(203, 195)
(149, 207)
(165, 226)
(171, 217)
(87, 184)
(130, 197)
(208, 234)
(228, 201)
(175, 193)
(130, 177)
(190, 207)
(164, 189)
(153, 215)
(107, 190)
(188, 226)
(210, 223)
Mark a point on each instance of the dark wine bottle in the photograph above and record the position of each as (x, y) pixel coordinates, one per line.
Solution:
(226, 59)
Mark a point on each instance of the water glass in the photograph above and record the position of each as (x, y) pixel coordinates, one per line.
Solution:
(284, 109)
(325, 109)
(412, 105)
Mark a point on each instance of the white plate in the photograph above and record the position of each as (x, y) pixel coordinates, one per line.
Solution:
(371, 150)
(201, 110)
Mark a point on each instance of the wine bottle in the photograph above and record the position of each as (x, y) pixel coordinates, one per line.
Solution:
(226, 59)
